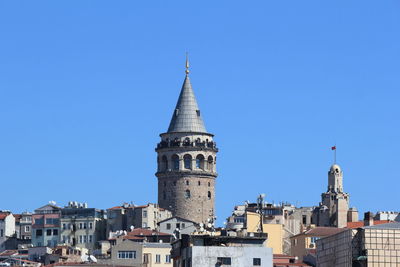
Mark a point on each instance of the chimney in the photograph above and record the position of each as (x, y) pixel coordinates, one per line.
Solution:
(368, 219)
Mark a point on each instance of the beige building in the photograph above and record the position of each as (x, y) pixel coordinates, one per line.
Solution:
(274, 231)
(304, 244)
(372, 246)
(333, 210)
(126, 216)
(138, 248)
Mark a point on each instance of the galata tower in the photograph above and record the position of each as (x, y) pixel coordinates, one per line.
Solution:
(186, 159)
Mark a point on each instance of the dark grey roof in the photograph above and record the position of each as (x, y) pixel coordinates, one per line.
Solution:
(187, 117)
(392, 225)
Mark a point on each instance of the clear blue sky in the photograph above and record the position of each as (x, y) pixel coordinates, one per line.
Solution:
(87, 86)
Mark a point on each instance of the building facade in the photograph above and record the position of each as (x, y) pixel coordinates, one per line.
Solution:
(46, 226)
(82, 226)
(372, 246)
(7, 228)
(212, 251)
(126, 216)
(186, 158)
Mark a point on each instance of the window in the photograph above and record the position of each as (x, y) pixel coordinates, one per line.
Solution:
(183, 226)
(27, 228)
(187, 161)
(304, 219)
(199, 183)
(90, 238)
(209, 184)
(187, 182)
(224, 260)
(64, 226)
(55, 231)
(167, 258)
(39, 232)
(178, 226)
(187, 194)
(164, 163)
(1, 232)
(168, 226)
(175, 162)
(80, 239)
(158, 258)
(90, 225)
(256, 262)
(48, 232)
(144, 225)
(210, 163)
(52, 221)
(49, 243)
(39, 221)
(165, 183)
(144, 213)
(209, 195)
(64, 239)
(200, 162)
(84, 225)
(314, 239)
(127, 254)
(80, 225)
(84, 239)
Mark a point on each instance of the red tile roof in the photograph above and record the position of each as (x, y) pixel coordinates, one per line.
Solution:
(323, 231)
(359, 224)
(3, 215)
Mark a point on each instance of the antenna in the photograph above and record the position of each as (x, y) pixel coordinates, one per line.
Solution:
(187, 64)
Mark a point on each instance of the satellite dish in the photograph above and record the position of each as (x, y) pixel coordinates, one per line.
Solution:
(92, 258)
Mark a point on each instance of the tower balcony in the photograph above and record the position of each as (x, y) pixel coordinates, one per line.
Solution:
(186, 172)
(211, 145)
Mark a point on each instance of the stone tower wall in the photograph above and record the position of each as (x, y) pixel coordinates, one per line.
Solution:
(187, 187)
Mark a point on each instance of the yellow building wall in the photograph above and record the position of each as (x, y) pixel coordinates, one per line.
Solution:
(274, 231)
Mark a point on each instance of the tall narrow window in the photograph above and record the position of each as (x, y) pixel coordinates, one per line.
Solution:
(164, 163)
(187, 159)
(209, 195)
(200, 162)
(210, 163)
(187, 194)
(175, 162)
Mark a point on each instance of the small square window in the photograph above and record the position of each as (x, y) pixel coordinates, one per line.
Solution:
(256, 262)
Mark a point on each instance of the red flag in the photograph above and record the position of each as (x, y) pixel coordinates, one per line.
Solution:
(333, 148)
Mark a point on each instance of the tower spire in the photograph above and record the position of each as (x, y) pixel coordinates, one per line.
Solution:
(187, 64)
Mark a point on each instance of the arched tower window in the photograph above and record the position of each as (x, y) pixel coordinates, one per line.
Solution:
(200, 162)
(175, 162)
(210, 163)
(187, 194)
(209, 184)
(209, 195)
(187, 182)
(164, 163)
(187, 159)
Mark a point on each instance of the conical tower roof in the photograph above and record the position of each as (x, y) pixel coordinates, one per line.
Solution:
(187, 117)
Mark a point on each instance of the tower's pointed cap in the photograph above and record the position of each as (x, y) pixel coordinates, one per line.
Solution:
(187, 117)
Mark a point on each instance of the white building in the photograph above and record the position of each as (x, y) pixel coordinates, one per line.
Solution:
(212, 251)
(7, 227)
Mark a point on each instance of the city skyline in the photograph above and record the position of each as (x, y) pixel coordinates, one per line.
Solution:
(82, 106)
